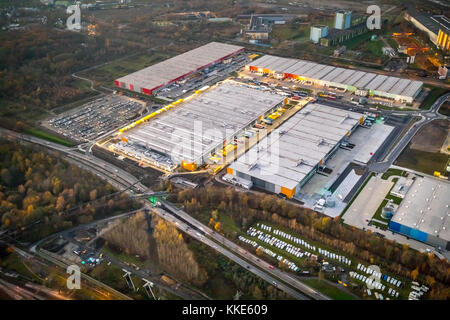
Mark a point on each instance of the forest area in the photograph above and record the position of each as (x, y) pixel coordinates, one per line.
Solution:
(39, 187)
(186, 258)
(36, 67)
(245, 209)
(38, 60)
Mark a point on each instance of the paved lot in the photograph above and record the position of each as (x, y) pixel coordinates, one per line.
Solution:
(96, 117)
(379, 133)
(368, 201)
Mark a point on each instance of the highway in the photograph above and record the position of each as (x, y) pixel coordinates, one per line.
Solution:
(111, 173)
(34, 248)
(116, 176)
(196, 234)
(238, 254)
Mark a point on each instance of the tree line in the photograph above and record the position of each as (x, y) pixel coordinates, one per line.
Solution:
(38, 187)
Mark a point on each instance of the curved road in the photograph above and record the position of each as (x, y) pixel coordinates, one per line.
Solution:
(427, 117)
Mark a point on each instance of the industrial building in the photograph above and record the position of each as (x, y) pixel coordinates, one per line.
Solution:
(318, 32)
(342, 19)
(360, 82)
(424, 213)
(157, 76)
(437, 27)
(337, 36)
(286, 159)
(190, 132)
(346, 26)
(443, 39)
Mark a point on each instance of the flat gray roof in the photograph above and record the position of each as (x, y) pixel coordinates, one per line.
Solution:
(178, 66)
(291, 151)
(348, 77)
(195, 127)
(426, 207)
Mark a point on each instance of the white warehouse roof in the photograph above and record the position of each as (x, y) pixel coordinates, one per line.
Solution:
(426, 207)
(197, 126)
(178, 66)
(291, 151)
(348, 77)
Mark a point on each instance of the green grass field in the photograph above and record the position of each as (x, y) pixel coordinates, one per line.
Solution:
(375, 47)
(393, 172)
(435, 93)
(377, 216)
(49, 137)
(422, 161)
(329, 290)
(123, 257)
(356, 41)
(380, 106)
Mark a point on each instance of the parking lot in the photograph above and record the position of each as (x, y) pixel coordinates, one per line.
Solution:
(367, 141)
(95, 118)
(292, 251)
(202, 78)
(325, 92)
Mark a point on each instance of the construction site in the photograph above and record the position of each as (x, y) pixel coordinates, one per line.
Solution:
(417, 53)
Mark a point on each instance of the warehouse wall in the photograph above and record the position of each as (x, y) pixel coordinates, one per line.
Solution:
(413, 233)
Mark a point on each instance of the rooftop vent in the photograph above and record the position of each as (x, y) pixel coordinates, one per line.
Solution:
(299, 162)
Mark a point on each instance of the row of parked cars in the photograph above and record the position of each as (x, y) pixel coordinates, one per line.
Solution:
(335, 256)
(291, 265)
(278, 243)
(417, 291)
(301, 242)
(368, 280)
(248, 241)
(379, 275)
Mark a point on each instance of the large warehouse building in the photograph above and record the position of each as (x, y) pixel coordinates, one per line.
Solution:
(424, 213)
(351, 80)
(287, 158)
(159, 75)
(189, 133)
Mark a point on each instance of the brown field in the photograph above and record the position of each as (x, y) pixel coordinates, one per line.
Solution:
(422, 53)
(445, 109)
(423, 152)
(431, 137)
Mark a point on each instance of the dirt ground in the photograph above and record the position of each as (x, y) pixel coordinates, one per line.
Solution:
(422, 57)
(431, 137)
(445, 108)
(423, 153)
